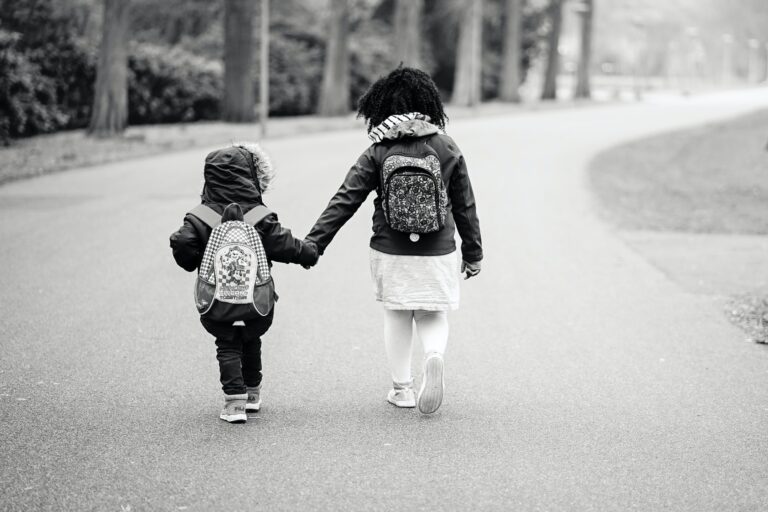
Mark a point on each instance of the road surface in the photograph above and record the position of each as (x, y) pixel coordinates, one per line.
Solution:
(579, 377)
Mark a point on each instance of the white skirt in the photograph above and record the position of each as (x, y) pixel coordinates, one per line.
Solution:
(429, 283)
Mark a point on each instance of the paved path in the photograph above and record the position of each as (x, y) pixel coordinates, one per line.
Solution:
(579, 376)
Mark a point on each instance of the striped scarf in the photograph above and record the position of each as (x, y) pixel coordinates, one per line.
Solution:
(377, 133)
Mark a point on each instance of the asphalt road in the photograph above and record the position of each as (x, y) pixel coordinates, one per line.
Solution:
(579, 377)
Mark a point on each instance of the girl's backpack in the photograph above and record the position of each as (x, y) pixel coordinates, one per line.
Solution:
(413, 194)
(234, 282)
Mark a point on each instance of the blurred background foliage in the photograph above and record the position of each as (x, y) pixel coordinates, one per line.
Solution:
(176, 50)
(48, 51)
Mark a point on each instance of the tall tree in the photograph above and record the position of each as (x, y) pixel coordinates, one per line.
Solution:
(407, 32)
(110, 102)
(555, 14)
(334, 95)
(264, 68)
(583, 89)
(509, 88)
(466, 88)
(239, 98)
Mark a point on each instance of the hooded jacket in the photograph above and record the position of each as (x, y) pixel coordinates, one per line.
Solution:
(237, 175)
(365, 176)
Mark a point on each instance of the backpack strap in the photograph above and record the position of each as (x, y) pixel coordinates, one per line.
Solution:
(206, 214)
(256, 215)
(209, 216)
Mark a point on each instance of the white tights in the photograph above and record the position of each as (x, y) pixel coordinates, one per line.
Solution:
(430, 326)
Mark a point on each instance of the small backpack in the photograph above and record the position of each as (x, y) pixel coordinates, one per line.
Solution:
(234, 282)
(412, 190)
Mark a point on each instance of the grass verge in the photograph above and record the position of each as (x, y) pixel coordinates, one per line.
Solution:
(712, 179)
(44, 154)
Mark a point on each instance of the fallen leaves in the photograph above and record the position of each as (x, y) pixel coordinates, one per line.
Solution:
(750, 312)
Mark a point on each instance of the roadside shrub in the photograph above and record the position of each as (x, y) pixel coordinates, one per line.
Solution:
(171, 86)
(28, 103)
(295, 62)
(295, 74)
(47, 72)
(370, 57)
(73, 70)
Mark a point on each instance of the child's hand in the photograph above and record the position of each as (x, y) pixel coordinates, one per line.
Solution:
(314, 254)
(470, 269)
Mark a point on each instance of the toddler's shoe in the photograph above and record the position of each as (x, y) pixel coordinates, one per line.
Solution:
(253, 403)
(234, 408)
(402, 395)
(432, 384)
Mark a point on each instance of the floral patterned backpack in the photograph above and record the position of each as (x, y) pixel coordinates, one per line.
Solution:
(412, 190)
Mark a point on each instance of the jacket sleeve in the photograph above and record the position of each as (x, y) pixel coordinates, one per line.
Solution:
(361, 179)
(187, 247)
(280, 245)
(465, 212)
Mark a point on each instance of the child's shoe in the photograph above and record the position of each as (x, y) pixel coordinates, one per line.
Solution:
(402, 395)
(432, 384)
(253, 403)
(234, 408)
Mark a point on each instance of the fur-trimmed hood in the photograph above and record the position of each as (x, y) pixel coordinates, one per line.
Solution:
(239, 173)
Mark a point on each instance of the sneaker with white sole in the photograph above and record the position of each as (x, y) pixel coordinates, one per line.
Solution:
(432, 384)
(402, 395)
(253, 404)
(234, 408)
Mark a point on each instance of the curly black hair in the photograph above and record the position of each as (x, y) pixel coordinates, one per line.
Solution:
(402, 91)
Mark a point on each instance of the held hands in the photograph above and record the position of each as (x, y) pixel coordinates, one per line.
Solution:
(470, 269)
(315, 254)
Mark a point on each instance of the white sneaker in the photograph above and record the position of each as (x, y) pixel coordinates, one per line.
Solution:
(253, 404)
(432, 384)
(402, 397)
(234, 408)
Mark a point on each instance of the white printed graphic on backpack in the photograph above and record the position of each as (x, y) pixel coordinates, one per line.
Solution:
(235, 273)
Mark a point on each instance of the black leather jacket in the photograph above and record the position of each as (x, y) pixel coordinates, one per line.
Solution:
(364, 177)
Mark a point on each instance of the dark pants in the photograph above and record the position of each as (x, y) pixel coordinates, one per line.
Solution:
(238, 349)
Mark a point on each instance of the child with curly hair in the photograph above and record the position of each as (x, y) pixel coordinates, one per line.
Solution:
(423, 195)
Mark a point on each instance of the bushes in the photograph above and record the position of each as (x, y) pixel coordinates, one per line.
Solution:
(45, 74)
(163, 87)
(370, 57)
(48, 74)
(27, 104)
(171, 86)
(295, 74)
(296, 55)
(48, 58)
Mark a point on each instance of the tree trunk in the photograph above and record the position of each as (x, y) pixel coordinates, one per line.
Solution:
(239, 97)
(264, 71)
(408, 32)
(513, 43)
(334, 95)
(555, 14)
(466, 88)
(583, 89)
(110, 101)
